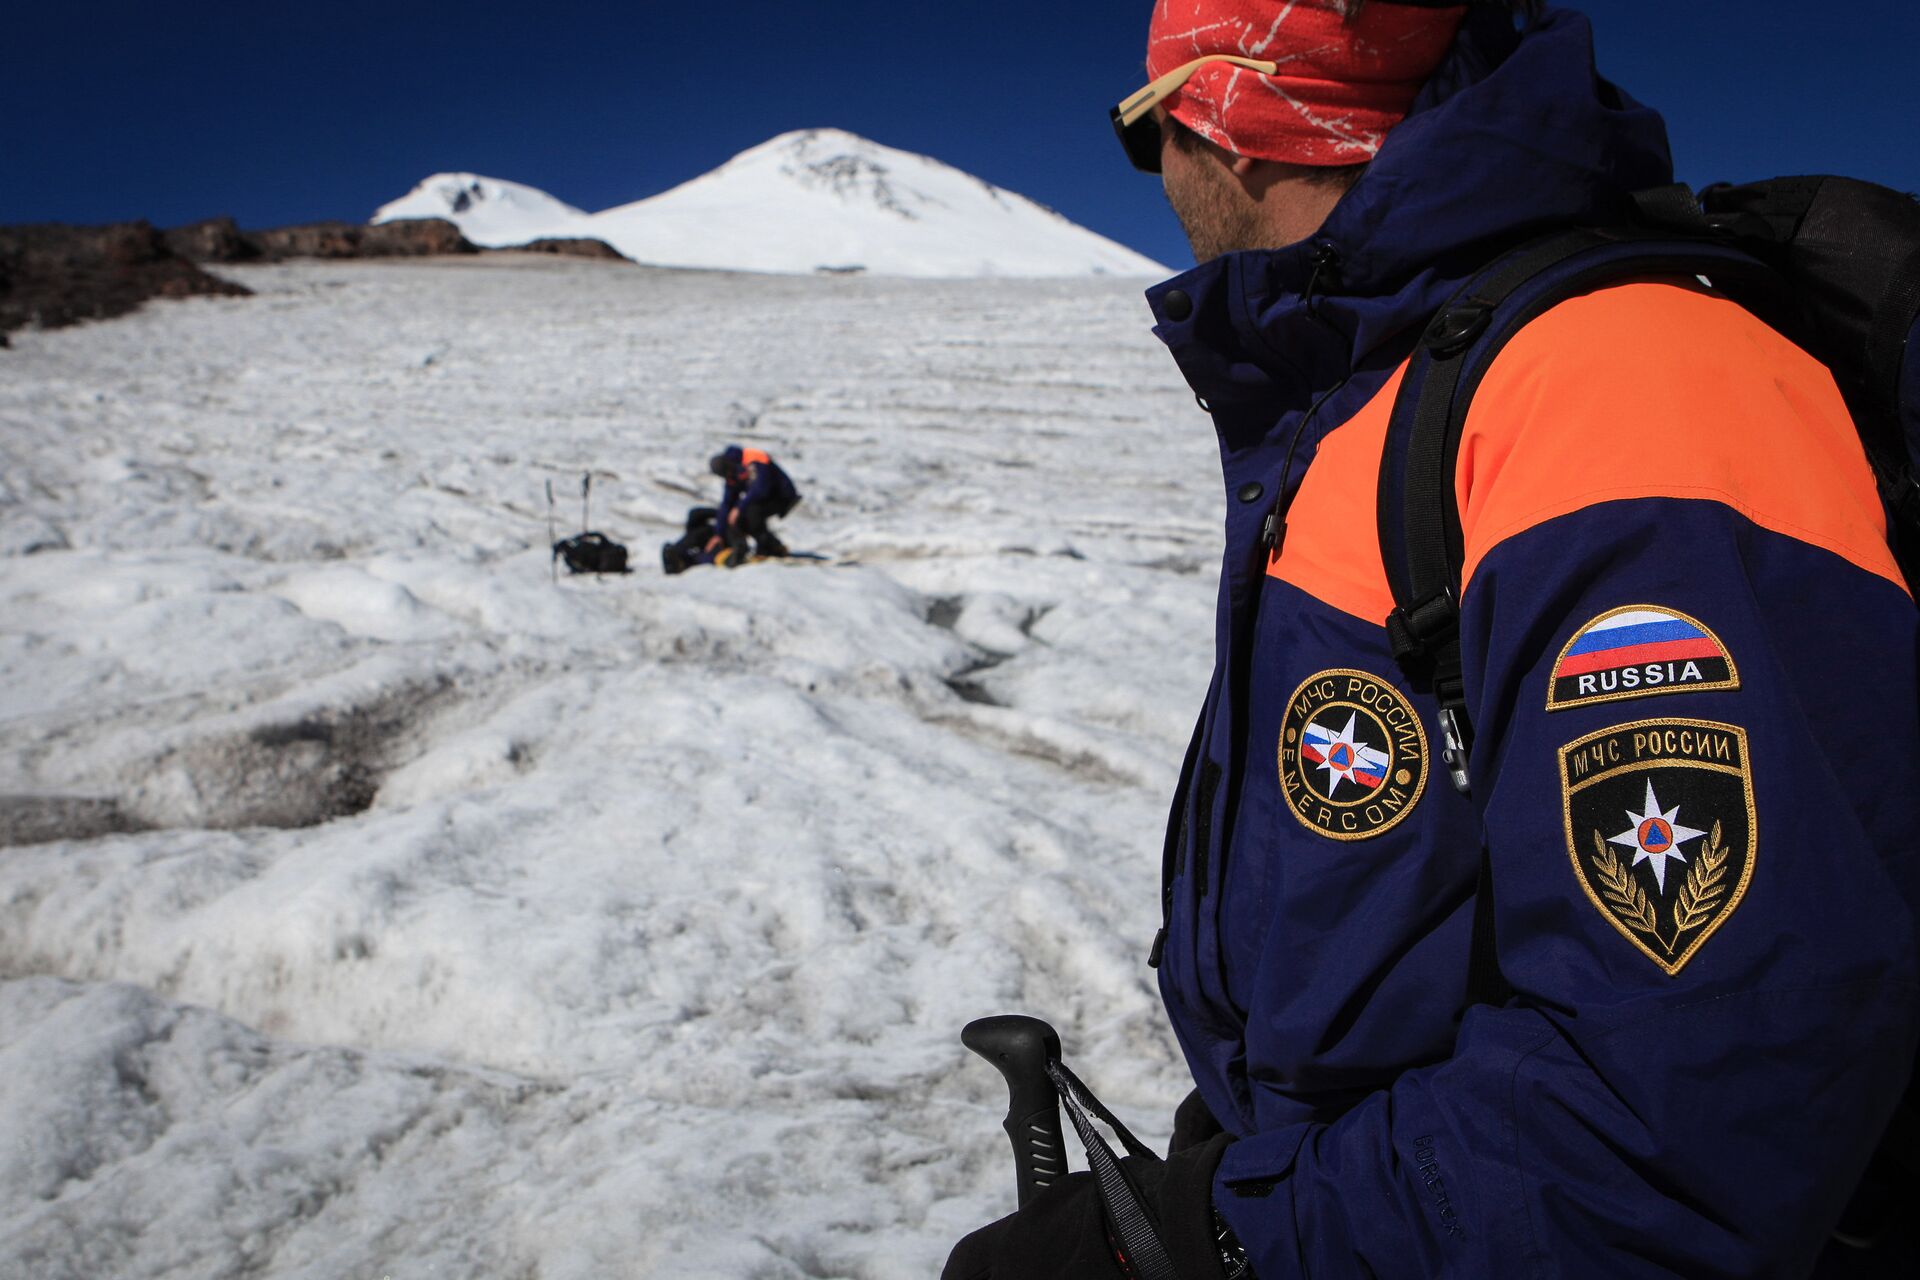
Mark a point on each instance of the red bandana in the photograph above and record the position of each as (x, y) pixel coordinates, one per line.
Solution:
(1341, 84)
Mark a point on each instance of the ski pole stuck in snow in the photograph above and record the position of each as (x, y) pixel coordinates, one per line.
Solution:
(1020, 1048)
(553, 561)
(588, 551)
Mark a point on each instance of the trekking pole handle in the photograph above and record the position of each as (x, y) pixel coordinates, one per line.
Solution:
(553, 545)
(1020, 1048)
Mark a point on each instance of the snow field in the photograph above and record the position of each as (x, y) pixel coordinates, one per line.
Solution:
(370, 905)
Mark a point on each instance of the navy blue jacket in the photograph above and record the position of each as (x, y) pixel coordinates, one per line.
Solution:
(753, 476)
(1692, 667)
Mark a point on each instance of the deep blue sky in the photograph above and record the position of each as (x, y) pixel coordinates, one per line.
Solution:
(289, 113)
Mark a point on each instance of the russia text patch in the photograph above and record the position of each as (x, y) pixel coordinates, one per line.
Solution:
(1353, 755)
(1661, 828)
(1636, 652)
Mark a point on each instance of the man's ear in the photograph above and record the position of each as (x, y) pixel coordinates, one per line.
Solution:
(1254, 175)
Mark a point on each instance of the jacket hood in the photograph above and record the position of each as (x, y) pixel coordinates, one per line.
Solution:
(1516, 133)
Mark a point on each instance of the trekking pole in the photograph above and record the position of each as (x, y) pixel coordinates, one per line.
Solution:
(1027, 1053)
(553, 554)
(586, 487)
(1020, 1048)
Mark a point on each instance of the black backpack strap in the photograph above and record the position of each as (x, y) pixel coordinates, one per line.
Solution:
(1421, 543)
(1418, 510)
(1419, 519)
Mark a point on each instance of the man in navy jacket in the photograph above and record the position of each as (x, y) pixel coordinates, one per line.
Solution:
(1690, 659)
(756, 490)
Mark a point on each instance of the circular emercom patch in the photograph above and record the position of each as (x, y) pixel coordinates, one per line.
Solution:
(1353, 755)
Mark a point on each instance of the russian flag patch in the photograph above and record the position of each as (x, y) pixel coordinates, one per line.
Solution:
(1637, 652)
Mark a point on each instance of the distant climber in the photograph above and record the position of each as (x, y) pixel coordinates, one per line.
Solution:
(757, 491)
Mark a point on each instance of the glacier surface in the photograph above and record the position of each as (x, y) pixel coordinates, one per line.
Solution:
(373, 905)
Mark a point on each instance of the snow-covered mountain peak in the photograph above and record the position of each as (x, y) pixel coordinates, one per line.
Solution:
(810, 200)
(858, 170)
(851, 175)
(488, 210)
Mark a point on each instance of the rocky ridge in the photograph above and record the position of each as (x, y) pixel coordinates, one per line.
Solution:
(53, 275)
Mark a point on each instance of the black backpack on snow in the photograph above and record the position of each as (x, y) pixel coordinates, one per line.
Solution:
(591, 552)
(1834, 265)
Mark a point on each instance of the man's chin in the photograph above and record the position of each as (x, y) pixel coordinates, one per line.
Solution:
(1205, 247)
(1206, 250)
(1212, 233)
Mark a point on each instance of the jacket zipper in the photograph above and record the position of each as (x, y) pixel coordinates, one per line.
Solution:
(1273, 532)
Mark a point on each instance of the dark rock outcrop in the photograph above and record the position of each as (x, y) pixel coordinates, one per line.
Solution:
(573, 247)
(415, 238)
(54, 275)
(221, 240)
(213, 240)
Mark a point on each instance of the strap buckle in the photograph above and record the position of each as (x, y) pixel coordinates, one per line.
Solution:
(1416, 631)
(1455, 328)
(1453, 752)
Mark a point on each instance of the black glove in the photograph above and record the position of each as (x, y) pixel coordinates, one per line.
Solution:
(1062, 1234)
(1193, 1124)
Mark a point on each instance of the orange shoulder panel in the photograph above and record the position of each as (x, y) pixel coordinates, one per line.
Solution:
(1332, 547)
(1665, 390)
(750, 456)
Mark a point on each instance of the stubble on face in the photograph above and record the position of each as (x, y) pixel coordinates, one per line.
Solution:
(1212, 207)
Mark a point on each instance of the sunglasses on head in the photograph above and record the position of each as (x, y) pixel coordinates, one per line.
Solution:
(1133, 121)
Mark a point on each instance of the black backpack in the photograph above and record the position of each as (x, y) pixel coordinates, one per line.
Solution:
(591, 552)
(1833, 264)
(588, 551)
